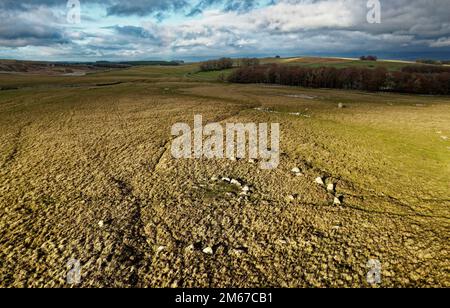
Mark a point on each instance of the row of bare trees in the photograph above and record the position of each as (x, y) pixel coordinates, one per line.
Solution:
(216, 65)
(227, 63)
(368, 58)
(426, 69)
(433, 62)
(245, 62)
(378, 79)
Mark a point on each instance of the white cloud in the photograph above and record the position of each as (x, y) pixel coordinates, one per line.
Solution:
(285, 27)
(442, 42)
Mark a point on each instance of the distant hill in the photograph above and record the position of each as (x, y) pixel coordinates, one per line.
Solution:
(48, 68)
(72, 68)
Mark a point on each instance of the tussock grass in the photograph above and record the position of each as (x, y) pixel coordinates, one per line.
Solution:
(73, 154)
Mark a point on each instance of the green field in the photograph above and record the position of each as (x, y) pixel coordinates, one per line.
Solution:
(339, 63)
(86, 173)
(305, 62)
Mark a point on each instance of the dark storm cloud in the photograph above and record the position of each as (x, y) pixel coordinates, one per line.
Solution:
(138, 7)
(222, 26)
(20, 30)
(134, 34)
(113, 7)
(24, 4)
(133, 31)
(422, 18)
(160, 7)
(145, 7)
(26, 31)
(240, 5)
(228, 5)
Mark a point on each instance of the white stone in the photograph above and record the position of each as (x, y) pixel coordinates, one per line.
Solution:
(101, 223)
(237, 251)
(235, 182)
(296, 170)
(246, 188)
(330, 187)
(337, 201)
(319, 181)
(225, 179)
(160, 248)
(208, 251)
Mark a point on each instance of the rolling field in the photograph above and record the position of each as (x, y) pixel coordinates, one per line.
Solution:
(87, 174)
(338, 63)
(310, 62)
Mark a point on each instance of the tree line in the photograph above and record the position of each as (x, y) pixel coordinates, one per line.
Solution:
(379, 79)
(433, 62)
(216, 65)
(426, 69)
(227, 63)
(368, 58)
(245, 62)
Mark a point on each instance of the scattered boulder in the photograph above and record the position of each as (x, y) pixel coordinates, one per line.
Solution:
(235, 182)
(214, 178)
(101, 223)
(319, 181)
(296, 171)
(208, 251)
(245, 190)
(341, 106)
(331, 187)
(239, 251)
(337, 200)
(252, 161)
(444, 137)
(160, 248)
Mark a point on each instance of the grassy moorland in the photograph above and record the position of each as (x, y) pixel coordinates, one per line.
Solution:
(310, 62)
(86, 173)
(337, 63)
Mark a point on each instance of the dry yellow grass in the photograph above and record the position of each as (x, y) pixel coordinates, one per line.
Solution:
(74, 157)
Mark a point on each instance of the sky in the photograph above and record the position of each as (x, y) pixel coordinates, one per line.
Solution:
(190, 30)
